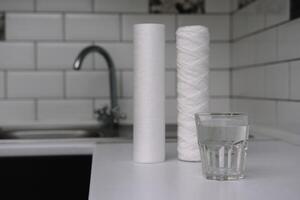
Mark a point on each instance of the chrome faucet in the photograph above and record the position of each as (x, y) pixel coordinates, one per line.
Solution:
(112, 116)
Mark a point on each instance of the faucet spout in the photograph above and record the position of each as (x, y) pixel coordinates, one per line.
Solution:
(111, 69)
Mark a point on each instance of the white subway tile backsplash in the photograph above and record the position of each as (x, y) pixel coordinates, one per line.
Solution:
(16, 5)
(242, 106)
(128, 81)
(277, 81)
(65, 110)
(121, 53)
(264, 112)
(289, 40)
(61, 55)
(217, 6)
(52, 36)
(256, 16)
(234, 5)
(16, 55)
(100, 103)
(171, 111)
(233, 54)
(17, 111)
(295, 81)
(277, 11)
(92, 27)
(34, 26)
(2, 89)
(218, 24)
(171, 84)
(219, 55)
(128, 22)
(258, 111)
(219, 105)
(249, 82)
(87, 84)
(64, 5)
(240, 23)
(242, 53)
(288, 113)
(171, 56)
(255, 81)
(239, 83)
(219, 83)
(121, 6)
(34, 84)
(274, 81)
(266, 46)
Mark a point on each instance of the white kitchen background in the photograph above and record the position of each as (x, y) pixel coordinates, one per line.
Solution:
(265, 78)
(43, 38)
(255, 58)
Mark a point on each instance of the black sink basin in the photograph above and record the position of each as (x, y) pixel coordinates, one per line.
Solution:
(65, 132)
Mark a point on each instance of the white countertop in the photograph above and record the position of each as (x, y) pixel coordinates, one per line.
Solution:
(273, 170)
(273, 173)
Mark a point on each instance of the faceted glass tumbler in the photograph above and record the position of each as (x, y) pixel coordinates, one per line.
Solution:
(222, 139)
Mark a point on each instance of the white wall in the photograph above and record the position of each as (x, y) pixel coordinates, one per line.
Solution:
(265, 63)
(44, 36)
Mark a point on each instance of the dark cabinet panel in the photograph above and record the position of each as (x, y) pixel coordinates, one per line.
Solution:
(42, 178)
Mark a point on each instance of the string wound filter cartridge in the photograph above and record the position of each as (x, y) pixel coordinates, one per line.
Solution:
(192, 43)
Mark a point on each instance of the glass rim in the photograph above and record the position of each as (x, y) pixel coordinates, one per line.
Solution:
(222, 114)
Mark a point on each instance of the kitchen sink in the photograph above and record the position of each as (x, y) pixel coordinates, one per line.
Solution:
(47, 134)
(54, 130)
(49, 130)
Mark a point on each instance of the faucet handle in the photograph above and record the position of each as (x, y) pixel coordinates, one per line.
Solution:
(117, 114)
(114, 114)
(102, 113)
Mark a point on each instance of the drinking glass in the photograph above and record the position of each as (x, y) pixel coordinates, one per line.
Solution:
(222, 139)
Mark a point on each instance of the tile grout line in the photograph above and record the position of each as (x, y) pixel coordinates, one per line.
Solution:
(64, 84)
(121, 84)
(248, 35)
(35, 56)
(264, 64)
(120, 27)
(93, 107)
(94, 11)
(35, 5)
(99, 70)
(100, 98)
(126, 41)
(5, 76)
(276, 112)
(93, 2)
(290, 80)
(264, 98)
(92, 6)
(264, 83)
(230, 83)
(64, 21)
(36, 109)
